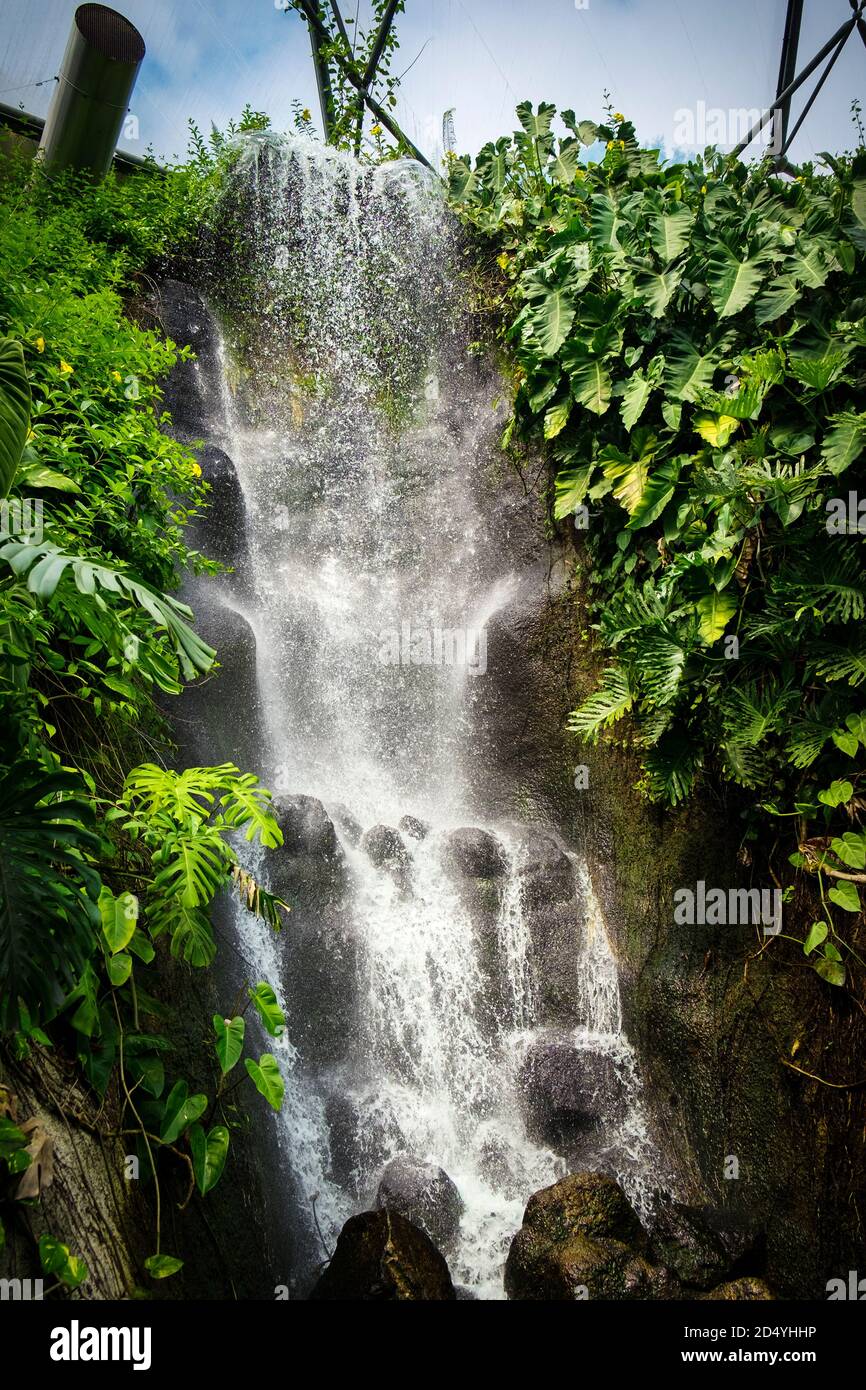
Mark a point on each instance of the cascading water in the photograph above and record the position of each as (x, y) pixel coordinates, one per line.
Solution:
(361, 432)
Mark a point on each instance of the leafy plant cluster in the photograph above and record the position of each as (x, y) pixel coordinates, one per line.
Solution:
(104, 855)
(689, 340)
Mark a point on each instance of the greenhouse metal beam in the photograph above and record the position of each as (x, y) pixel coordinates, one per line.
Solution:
(787, 71)
(351, 73)
(323, 83)
(838, 40)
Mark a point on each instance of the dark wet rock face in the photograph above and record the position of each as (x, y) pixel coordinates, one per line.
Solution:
(221, 530)
(193, 391)
(320, 948)
(747, 1290)
(361, 1135)
(474, 853)
(385, 847)
(349, 825)
(307, 828)
(702, 1245)
(212, 705)
(413, 827)
(425, 1195)
(566, 1091)
(556, 922)
(381, 1257)
(581, 1239)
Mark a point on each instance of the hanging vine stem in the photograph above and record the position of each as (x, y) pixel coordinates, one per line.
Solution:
(144, 1134)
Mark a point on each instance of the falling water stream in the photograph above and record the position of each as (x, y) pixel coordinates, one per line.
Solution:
(360, 438)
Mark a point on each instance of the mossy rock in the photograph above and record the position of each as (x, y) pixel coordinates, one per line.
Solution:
(745, 1290)
(381, 1257)
(581, 1239)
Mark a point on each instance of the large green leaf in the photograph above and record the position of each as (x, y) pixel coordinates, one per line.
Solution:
(162, 1266)
(670, 233)
(732, 283)
(209, 1153)
(45, 565)
(266, 1078)
(656, 290)
(715, 612)
(551, 320)
(687, 370)
(572, 485)
(591, 386)
(613, 699)
(844, 441)
(268, 1009)
(119, 919)
(229, 1041)
(181, 1110)
(14, 411)
(657, 492)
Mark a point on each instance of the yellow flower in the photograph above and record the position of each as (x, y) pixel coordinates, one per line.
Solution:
(610, 144)
(306, 114)
(65, 367)
(40, 344)
(618, 116)
(502, 260)
(376, 130)
(196, 470)
(703, 188)
(622, 144)
(115, 376)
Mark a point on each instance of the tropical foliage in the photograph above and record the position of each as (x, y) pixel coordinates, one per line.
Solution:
(105, 853)
(689, 343)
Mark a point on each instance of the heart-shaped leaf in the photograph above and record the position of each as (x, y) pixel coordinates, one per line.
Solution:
(229, 1041)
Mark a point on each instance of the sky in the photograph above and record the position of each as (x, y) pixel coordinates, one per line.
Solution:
(683, 71)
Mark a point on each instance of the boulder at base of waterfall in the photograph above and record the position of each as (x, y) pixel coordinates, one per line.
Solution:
(381, 1257)
(746, 1289)
(581, 1239)
(417, 829)
(361, 1133)
(566, 1091)
(384, 847)
(425, 1195)
(702, 1245)
(474, 853)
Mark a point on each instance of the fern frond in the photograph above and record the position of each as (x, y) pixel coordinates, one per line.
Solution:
(609, 703)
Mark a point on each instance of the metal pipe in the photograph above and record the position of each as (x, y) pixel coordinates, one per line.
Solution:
(103, 54)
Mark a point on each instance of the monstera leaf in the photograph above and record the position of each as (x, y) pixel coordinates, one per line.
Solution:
(14, 411)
